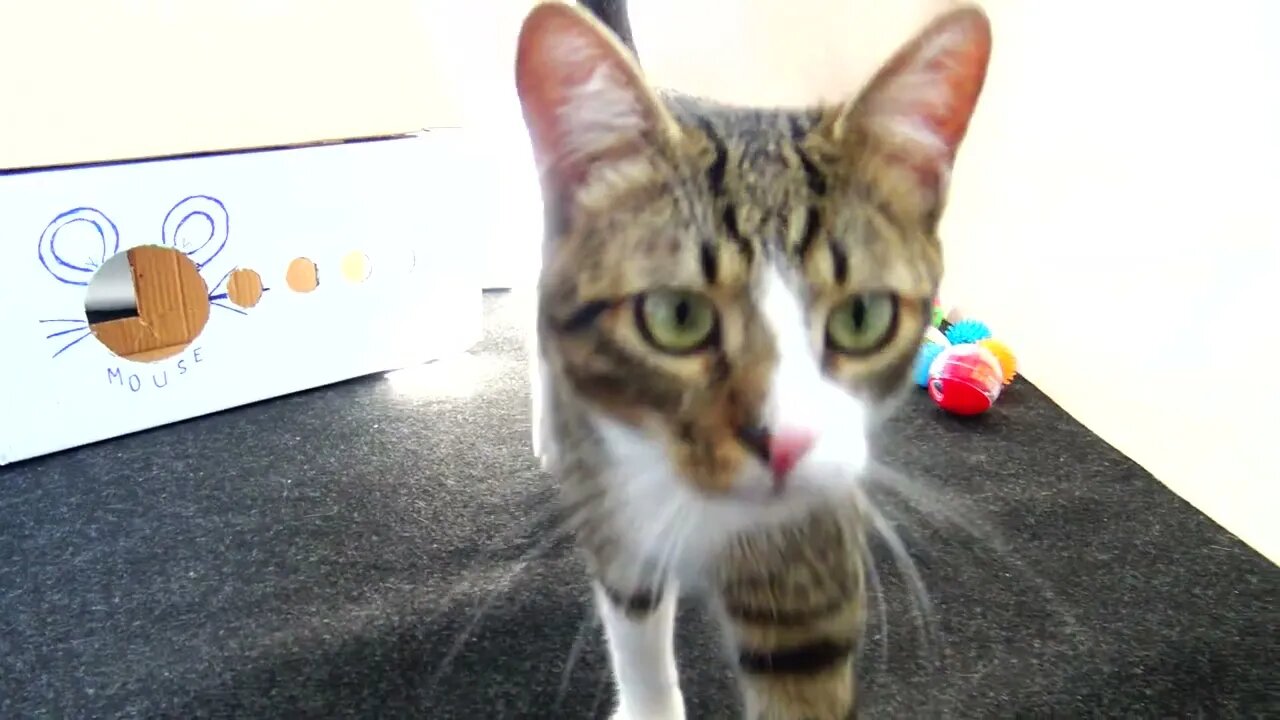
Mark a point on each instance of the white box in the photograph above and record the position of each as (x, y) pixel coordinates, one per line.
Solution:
(406, 203)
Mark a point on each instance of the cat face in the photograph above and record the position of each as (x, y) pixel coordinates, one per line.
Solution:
(736, 295)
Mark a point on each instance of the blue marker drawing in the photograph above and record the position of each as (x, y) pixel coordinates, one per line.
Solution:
(218, 293)
(180, 233)
(198, 226)
(67, 326)
(71, 262)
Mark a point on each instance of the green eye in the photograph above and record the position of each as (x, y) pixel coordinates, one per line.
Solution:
(676, 321)
(863, 323)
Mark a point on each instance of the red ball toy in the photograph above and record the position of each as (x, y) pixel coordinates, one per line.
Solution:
(965, 379)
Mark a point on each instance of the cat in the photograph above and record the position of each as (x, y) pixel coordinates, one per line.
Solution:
(729, 303)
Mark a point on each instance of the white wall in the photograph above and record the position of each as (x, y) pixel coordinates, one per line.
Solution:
(109, 79)
(772, 52)
(476, 41)
(1115, 216)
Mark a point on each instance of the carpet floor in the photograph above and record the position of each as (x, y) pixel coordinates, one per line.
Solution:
(387, 548)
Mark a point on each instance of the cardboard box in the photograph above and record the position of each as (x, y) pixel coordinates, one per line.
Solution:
(253, 275)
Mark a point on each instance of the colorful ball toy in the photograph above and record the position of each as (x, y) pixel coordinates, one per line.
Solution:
(1008, 363)
(924, 360)
(967, 331)
(963, 368)
(965, 379)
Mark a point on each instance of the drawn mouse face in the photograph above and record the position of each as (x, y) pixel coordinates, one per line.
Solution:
(194, 233)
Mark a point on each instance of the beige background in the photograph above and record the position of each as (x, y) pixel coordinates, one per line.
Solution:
(1115, 217)
(1113, 210)
(90, 80)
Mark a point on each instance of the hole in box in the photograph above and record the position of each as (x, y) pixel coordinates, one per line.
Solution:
(301, 275)
(356, 267)
(147, 303)
(244, 287)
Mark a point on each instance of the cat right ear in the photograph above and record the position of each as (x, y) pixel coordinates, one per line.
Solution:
(583, 98)
(917, 108)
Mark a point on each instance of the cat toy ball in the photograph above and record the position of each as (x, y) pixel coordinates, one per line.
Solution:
(965, 379)
(963, 368)
(967, 331)
(1008, 363)
(924, 360)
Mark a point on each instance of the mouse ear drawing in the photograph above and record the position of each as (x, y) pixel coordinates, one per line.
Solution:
(198, 227)
(76, 244)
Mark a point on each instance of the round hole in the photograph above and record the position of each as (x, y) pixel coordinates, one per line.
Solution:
(147, 303)
(244, 288)
(302, 276)
(356, 267)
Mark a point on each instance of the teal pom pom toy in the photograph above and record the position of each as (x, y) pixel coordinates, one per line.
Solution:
(924, 358)
(967, 331)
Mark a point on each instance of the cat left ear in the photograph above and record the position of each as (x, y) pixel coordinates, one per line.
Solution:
(917, 108)
(583, 97)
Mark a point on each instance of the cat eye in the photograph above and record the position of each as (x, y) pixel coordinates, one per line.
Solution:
(676, 321)
(862, 323)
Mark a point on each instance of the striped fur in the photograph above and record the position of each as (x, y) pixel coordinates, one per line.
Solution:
(778, 218)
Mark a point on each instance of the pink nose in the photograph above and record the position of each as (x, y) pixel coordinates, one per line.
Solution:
(787, 447)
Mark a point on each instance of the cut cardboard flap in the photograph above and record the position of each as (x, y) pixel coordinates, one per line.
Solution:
(172, 306)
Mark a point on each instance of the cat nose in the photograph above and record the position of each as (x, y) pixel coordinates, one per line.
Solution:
(787, 447)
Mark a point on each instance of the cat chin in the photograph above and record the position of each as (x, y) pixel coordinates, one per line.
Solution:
(711, 523)
(667, 521)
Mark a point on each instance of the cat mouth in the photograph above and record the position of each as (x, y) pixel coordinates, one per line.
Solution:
(758, 487)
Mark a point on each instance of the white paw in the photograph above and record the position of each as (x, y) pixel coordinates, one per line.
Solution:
(670, 708)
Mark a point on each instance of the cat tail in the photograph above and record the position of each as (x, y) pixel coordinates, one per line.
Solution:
(613, 14)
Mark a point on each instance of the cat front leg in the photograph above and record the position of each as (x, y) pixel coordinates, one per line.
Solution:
(792, 607)
(639, 627)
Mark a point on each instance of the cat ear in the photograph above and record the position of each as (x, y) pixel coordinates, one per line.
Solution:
(917, 108)
(583, 97)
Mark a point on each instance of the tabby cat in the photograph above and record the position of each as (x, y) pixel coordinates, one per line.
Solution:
(730, 301)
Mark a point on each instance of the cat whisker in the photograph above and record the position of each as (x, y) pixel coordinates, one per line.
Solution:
(681, 529)
(650, 572)
(945, 506)
(592, 621)
(934, 502)
(918, 593)
(493, 596)
(873, 574)
(602, 687)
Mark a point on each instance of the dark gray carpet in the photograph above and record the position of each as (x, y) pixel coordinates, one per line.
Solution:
(324, 555)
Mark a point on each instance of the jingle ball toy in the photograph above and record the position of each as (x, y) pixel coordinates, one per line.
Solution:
(967, 331)
(1008, 362)
(965, 379)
